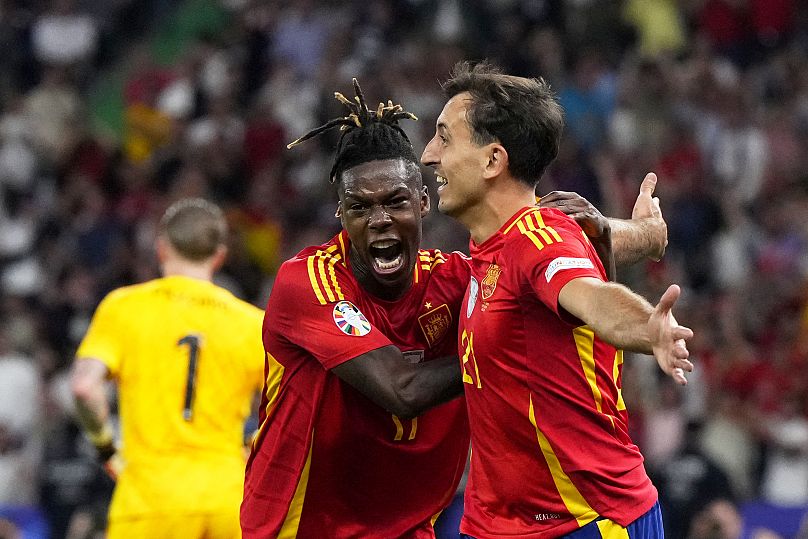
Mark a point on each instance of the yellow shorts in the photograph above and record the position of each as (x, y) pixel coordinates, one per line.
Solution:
(195, 526)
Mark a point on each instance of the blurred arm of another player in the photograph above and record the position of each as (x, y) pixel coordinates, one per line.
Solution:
(645, 235)
(405, 389)
(88, 379)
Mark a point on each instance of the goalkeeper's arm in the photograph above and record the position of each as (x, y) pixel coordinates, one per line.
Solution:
(88, 383)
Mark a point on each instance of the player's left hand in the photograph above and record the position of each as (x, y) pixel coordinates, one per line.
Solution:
(668, 337)
(593, 223)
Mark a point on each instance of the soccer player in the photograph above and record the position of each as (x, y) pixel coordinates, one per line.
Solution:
(540, 329)
(187, 359)
(360, 335)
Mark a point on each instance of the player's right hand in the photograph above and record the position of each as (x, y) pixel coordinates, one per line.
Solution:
(107, 455)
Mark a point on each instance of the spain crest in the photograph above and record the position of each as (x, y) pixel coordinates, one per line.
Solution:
(489, 284)
(435, 323)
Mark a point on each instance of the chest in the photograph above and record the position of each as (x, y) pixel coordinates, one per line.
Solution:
(424, 321)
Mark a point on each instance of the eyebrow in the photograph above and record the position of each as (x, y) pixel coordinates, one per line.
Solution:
(359, 196)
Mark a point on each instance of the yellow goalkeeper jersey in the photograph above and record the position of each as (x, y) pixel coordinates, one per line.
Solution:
(187, 356)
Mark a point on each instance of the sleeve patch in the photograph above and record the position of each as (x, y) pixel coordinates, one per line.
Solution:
(350, 320)
(565, 262)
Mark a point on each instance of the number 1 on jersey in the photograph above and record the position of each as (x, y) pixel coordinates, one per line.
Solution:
(190, 385)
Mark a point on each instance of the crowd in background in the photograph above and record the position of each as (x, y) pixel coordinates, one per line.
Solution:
(712, 95)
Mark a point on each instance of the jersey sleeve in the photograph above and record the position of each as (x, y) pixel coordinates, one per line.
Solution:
(553, 253)
(253, 348)
(319, 312)
(104, 338)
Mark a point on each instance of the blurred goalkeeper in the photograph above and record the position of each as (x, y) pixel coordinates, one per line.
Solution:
(187, 358)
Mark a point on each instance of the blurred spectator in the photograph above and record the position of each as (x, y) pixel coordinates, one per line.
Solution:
(63, 36)
(687, 481)
(20, 420)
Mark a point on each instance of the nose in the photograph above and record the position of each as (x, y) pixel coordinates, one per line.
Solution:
(429, 157)
(379, 218)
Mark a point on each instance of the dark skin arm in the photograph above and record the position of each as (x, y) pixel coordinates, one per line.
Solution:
(597, 227)
(400, 387)
(645, 235)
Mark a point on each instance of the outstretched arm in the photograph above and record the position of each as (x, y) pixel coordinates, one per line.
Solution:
(644, 235)
(626, 320)
(402, 388)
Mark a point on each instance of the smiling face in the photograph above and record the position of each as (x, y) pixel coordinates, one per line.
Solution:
(381, 206)
(459, 162)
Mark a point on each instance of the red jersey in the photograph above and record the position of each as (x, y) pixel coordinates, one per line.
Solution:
(327, 461)
(549, 434)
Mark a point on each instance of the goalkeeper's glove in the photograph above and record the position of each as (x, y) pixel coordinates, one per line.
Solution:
(105, 451)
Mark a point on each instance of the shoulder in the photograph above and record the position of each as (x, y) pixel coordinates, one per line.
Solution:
(241, 307)
(441, 264)
(316, 273)
(542, 228)
(128, 293)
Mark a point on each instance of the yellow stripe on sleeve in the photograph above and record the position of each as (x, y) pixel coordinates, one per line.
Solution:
(332, 274)
(585, 344)
(618, 360)
(342, 249)
(323, 279)
(313, 279)
(553, 232)
(292, 521)
(518, 220)
(572, 498)
(536, 241)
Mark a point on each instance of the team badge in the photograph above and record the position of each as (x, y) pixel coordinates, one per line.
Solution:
(435, 323)
(490, 281)
(474, 288)
(349, 320)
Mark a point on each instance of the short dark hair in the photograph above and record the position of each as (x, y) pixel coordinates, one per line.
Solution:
(520, 113)
(195, 228)
(367, 135)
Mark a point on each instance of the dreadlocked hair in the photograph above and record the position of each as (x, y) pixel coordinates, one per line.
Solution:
(367, 135)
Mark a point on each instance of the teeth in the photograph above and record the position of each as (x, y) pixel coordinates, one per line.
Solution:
(442, 180)
(389, 265)
(383, 244)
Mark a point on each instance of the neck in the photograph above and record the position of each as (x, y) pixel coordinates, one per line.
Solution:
(364, 276)
(504, 198)
(202, 271)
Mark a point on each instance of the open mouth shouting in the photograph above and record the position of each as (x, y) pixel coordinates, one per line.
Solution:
(387, 256)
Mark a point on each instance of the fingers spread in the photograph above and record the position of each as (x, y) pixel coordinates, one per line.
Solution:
(679, 376)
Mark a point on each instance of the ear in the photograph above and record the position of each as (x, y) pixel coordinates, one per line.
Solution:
(161, 247)
(425, 201)
(497, 161)
(338, 213)
(217, 260)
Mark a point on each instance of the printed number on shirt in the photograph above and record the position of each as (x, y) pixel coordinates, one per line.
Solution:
(190, 383)
(470, 376)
